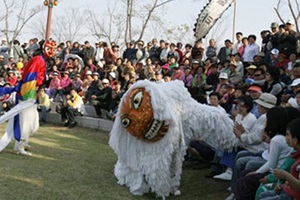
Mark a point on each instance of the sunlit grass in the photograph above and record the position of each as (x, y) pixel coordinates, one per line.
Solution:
(78, 164)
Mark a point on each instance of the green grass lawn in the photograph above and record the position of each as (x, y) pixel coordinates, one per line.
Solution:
(78, 164)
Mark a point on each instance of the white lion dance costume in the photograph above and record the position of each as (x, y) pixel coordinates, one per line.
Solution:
(153, 128)
(23, 118)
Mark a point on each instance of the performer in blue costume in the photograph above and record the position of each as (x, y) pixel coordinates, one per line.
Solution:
(23, 119)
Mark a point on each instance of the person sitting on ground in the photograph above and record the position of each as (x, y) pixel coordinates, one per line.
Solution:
(72, 104)
(44, 105)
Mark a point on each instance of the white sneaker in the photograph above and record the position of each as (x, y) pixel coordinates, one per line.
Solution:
(23, 152)
(230, 197)
(224, 176)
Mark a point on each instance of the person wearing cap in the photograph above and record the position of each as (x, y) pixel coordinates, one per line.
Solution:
(295, 88)
(288, 40)
(54, 85)
(234, 76)
(223, 80)
(65, 84)
(255, 91)
(77, 83)
(251, 50)
(112, 79)
(247, 159)
(246, 120)
(141, 53)
(12, 78)
(102, 100)
(94, 88)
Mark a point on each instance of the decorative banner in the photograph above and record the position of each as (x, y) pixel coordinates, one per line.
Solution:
(209, 16)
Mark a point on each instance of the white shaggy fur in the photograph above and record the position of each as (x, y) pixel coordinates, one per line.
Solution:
(157, 166)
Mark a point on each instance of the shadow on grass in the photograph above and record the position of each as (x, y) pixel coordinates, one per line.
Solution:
(78, 164)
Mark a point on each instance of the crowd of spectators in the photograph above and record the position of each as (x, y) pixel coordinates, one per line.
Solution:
(244, 79)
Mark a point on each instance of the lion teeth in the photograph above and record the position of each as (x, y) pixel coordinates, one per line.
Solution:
(156, 125)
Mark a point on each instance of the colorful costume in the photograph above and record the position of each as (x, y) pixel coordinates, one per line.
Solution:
(23, 118)
(153, 128)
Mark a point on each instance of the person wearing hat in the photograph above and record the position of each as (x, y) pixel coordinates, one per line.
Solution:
(77, 83)
(295, 88)
(112, 79)
(234, 76)
(65, 84)
(255, 91)
(12, 78)
(54, 85)
(288, 40)
(102, 100)
(252, 139)
(94, 88)
(141, 53)
(223, 80)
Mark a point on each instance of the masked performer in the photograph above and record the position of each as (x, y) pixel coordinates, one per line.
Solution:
(153, 128)
(23, 117)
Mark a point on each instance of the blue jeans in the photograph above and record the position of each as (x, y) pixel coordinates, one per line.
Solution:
(43, 110)
(272, 195)
(245, 160)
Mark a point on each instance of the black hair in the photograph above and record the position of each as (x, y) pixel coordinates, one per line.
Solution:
(215, 94)
(274, 73)
(278, 118)
(252, 36)
(239, 33)
(294, 128)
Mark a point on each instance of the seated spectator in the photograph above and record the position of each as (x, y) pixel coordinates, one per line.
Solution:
(54, 85)
(289, 189)
(277, 120)
(295, 87)
(212, 79)
(71, 105)
(177, 74)
(116, 97)
(112, 79)
(198, 82)
(159, 77)
(245, 119)
(234, 76)
(102, 100)
(44, 105)
(272, 84)
(64, 87)
(77, 83)
(252, 140)
(188, 78)
(12, 78)
(94, 88)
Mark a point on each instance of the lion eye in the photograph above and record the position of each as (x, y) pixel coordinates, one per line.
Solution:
(137, 100)
(126, 122)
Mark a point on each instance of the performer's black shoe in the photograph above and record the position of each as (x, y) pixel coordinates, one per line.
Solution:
(67, 123)
(72, 124)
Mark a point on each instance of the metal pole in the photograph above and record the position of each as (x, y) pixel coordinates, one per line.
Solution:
(49, 19)
(234, 18)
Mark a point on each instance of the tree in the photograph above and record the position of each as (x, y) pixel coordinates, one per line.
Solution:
(293, 9)
(13, 25)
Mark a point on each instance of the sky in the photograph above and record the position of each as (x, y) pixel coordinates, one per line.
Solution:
(251, 16)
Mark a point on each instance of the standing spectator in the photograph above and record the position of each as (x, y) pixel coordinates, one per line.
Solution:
(187, 53)
(16, 50)
(242, 48)
(99, 51)
(288, 40)
(179, 51)
(239, 43)
(141, 53)
(211, 50)
(75, 49)
(109, 55)
(164, 52)
(154, 52)
(225, 51)
(173, 53)
(198, 50)
(88, 52)
(251, 50)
